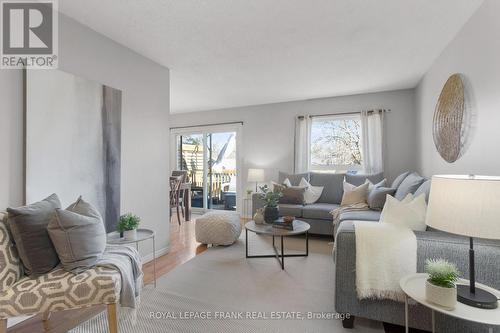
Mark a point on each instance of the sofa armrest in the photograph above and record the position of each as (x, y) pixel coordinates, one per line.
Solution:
(257, 202)
(430, 244)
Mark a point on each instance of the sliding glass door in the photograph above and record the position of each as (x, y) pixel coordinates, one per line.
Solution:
(211, 158)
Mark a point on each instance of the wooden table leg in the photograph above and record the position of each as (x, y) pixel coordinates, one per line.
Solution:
(187, 204)
(3, 325)
(407, 329)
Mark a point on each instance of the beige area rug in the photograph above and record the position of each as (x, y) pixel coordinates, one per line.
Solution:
(222, 291)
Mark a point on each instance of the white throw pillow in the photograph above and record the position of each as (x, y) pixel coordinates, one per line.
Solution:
(354, 194)
(287, 183)
(410, 212)
(313, 193)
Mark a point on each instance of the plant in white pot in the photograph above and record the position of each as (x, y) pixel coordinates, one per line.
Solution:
(440, 287)
(128, 225)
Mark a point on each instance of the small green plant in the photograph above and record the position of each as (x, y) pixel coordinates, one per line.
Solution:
(271, 198)
(128, 221)
(249, 192)
(441, 272)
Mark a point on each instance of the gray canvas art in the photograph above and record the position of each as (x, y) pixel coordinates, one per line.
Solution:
(73, 141)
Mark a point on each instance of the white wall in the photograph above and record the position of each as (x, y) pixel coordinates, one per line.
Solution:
(145, 112)
(268, 130)
(475, 52)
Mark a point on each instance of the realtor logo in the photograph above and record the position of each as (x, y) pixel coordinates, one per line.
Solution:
(29, 34)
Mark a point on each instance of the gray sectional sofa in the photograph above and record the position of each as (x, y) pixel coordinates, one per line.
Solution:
(431, 244)
(318, 214)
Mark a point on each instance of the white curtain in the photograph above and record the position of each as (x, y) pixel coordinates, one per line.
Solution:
(373, 140)
(302, 143)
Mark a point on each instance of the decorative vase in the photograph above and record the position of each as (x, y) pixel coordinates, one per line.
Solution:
(130, 234)
(271, 214)
(445, 297)
(258, 217)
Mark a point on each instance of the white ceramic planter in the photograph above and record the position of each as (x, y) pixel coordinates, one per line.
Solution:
(445, 297)
(130, 234)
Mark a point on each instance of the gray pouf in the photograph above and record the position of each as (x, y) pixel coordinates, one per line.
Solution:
(218, 228)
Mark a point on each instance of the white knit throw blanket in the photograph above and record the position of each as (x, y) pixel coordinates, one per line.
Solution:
(384, 254)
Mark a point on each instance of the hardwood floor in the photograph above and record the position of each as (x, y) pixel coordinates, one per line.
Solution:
(183, 247)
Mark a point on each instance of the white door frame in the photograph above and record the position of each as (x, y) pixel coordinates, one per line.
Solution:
(237, 128)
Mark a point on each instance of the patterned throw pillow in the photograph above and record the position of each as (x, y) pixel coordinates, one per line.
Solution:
(10, 266)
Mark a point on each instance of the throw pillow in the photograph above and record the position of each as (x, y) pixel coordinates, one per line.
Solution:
(409, 213)
(377, 197)
(409, 185)
(354, 194)
(28, 225)
(312, 193)
(399, 179)
(10, 268)
(294, 178)
(287, 182)
(425, 188)
(78, 235)
(293, 195)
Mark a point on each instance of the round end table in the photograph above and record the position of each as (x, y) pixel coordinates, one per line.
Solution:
(414, 287)
(142, 235)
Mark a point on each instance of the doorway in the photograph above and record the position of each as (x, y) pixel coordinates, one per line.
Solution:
(210, 155)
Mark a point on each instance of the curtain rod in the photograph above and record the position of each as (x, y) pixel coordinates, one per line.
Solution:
(206, 125)
(343, 113)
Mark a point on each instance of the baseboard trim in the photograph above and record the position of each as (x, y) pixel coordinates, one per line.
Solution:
(149, 257)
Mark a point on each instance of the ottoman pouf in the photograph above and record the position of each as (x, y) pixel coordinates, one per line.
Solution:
(218, 228)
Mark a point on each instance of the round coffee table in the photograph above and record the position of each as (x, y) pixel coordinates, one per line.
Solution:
(299, 227)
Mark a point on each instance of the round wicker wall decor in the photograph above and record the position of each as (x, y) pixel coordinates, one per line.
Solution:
(449, 125)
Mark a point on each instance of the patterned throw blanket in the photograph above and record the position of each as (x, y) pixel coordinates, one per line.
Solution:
(348, 208)
(127, 261)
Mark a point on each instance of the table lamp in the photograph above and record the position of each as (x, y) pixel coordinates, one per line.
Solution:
(256, 175)
(467, 205)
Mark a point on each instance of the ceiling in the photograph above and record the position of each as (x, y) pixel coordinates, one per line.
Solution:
(227, 53)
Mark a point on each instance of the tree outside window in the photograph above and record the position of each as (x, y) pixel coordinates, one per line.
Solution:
(336, 143)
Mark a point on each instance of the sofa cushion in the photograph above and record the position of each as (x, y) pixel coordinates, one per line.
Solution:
(291, 210)
(354, 194)
(10, 266)
(409, 185)
(78, 236)
(399, 179)
(294, 178)
(425, 188)
(61, 290)
(377, 196)
(358, 179)
(320, 211)
(360, 215)
(28, 225)
(333, 186)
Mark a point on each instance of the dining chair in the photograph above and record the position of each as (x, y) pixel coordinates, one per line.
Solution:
(175, 191)
(182, 199)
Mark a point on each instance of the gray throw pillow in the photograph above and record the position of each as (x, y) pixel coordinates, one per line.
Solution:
(359, 179)
(409, 185)
(425, 188)
(78, 235)
(28, 225)
(399, 179)
(293, 195)
(294, 178)
(376, 197)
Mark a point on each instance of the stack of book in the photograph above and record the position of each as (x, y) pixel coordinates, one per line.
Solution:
(282, 225)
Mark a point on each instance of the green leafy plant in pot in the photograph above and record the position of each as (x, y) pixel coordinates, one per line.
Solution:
(271, 200)
(128, 224)
(440, 287)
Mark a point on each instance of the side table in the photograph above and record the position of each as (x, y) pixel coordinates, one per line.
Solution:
(142, 235)
(414, 287)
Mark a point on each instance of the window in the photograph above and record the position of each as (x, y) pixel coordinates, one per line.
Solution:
(335, 143)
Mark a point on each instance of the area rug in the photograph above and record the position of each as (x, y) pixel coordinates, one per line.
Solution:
(222, 291)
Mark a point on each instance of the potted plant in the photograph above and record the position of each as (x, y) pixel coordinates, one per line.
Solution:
(128, 225)
(249, 193)
(271, 200)
(440, 287)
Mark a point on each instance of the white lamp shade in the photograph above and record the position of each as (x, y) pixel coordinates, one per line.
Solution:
(256, 175)
(465, 205)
